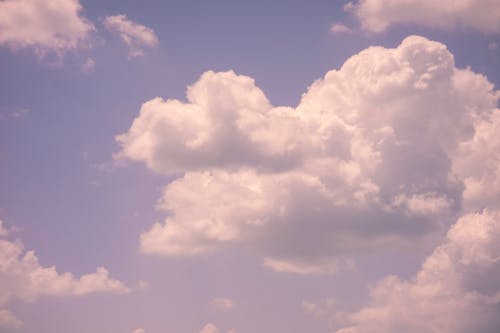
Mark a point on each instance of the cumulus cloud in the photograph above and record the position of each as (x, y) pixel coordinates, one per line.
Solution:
(455, 291)
(136, 36)
(374, 156)
(23, 278)
(45, 26)
(222, 303)
(378, 15)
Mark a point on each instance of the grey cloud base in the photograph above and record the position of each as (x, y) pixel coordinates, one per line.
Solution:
(378, 154)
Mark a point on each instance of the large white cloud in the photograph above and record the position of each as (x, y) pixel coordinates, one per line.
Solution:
(372, 157)
(135, 35)
(457, 289)
(378, 15)
(45, 26)
(23, 278)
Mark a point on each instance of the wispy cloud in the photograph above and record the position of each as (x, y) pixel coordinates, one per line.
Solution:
(136, 36)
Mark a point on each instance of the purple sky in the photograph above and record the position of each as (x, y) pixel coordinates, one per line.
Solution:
(241, 167)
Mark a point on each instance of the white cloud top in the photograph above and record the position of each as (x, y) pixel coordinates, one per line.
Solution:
(44, 26)
(23, 278)
(376, 155)
(136, 36)
(378, 15)
(457, 290)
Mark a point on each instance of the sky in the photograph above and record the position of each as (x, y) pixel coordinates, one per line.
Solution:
(249, 166)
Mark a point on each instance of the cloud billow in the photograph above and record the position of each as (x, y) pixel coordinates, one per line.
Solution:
(376, 155)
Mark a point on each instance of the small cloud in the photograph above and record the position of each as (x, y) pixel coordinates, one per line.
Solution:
(339, 28)
(3, 230)
(493, 46)
(319, 309)
(222, 303)
(88, 66)
(209, 328)
(20, 113)
(136, 36)
(143, 285)
(139, 330)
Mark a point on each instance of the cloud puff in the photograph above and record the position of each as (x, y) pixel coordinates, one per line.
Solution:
(44, 26)
(339, 28)
(378, 15)
(366, 161)
(139, 330)
(222, 303)
(455, 291)
(209, 328)
(136, 36)
(23, 278)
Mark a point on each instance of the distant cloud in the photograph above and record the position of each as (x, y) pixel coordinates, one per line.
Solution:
(9, 321)
(3, 230)
(493, 46)
(139, 330)
(339, 28)
(24, 279)
(222, 303)
(378, 15)
(44, 26)
(457, 289)
(320, 309)
(376, 156)
(136, 36)
(88, 65)
(209, 328)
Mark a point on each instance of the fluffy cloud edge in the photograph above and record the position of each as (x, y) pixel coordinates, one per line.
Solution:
(26, 280)
(57, 27)
(454, 292)
(249, 170)
(378, 15)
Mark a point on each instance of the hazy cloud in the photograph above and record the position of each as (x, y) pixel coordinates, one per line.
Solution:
(222, 303)
(455, 291)
(139, 330)
(209, 328)
(378, 15)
